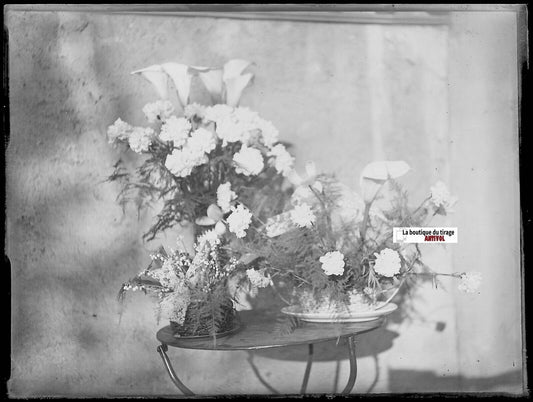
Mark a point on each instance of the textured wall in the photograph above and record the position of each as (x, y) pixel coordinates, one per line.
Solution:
(485, 119)
(343, 94)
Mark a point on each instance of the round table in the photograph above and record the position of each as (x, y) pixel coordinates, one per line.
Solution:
(257, 330)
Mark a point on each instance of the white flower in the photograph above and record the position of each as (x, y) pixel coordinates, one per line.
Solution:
(194, 153)
(239, 220)
(181, 161)
(158, 110)
(225, 196)
(283, 161)
(220, 228)
(166, 275)
(257, 279)
(119, 130)
(470, 282)
(249, 161)
(217, 112)
(302, 215)
(193, 110)
(247, 117)
(176, 130)
(269, 132)
(202, 141)
(210, 236)
(178, 164)
(387, 263)
(440, 196)
(229, 129)
(140, 139)
(333, 263)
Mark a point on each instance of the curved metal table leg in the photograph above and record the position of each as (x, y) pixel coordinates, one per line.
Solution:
(162, 351)
(307, 369)
(353, 365)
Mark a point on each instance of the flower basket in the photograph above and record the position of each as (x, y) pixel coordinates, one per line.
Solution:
(200, 321)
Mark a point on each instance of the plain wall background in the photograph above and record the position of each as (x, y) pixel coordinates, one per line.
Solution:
(441, 97)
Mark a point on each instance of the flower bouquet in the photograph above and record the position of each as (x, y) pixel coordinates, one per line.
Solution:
(218, 170)
(332, 249)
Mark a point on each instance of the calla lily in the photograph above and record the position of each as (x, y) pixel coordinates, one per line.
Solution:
(157, 76)
(235, 87)
(234, 68)
(226, 83)
(234, 80)
(376, 173)
(301, 184)
(310, 178)
(384, 170)
(182, 77)
(212, 80)
(214, 217)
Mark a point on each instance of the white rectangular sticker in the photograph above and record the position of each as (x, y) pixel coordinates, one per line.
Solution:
(424, 235)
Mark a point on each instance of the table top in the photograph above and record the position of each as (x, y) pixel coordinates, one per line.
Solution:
(258, 331)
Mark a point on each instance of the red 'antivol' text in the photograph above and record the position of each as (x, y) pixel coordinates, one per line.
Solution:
(434, 238)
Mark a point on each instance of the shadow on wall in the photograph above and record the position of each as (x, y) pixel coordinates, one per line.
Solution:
(370, 344)
(367, 345)
(401, 381)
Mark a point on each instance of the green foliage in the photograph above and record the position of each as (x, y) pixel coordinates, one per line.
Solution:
(285, 325)
(208, 313)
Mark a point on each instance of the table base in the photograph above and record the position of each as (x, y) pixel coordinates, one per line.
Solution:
(162, 349)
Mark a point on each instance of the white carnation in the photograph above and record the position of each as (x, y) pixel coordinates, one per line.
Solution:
(283, 161)
(140, 139)
(176, 130)
(229, 130)
(181, 161)
(209, 236)
(333, 263)
(441, 197)
(202, 141)
(246, 117)
(119, 130)
(257, 279)
(470, 282)
(239, 220)
(158, 110)
(302, 215)
(269, 133)
(249, 161)
(193, 110)
(218, 112)
(194, 153)
(225, 196)
(387, 263)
